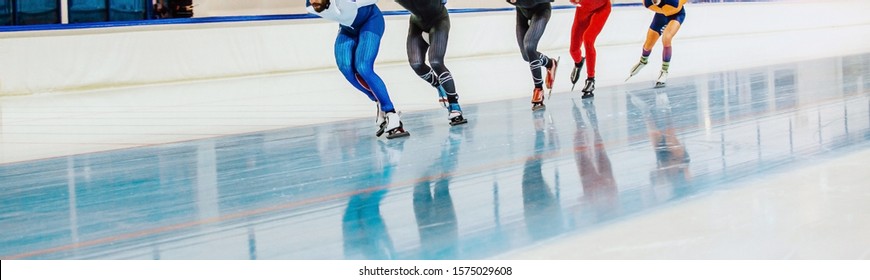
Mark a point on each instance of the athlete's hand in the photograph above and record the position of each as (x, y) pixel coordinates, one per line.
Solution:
(319, 5)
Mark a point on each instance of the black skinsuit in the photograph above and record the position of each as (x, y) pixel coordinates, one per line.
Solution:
(430, 16)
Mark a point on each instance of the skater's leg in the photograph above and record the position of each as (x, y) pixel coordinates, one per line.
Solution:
(345, 48)
(649, 43)
(364, 59)
(521, 30)
(668, 33)
(417, 48)
(667, 41)
(537, 26)
(581, 23)
(651, 37)
(597, 21)
(438, 37)
(656, 28)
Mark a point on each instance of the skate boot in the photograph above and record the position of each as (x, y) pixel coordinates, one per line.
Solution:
(394, 126)
(589, 88)
(362, 82)
(538, 99)
(442, 96)
(662, 80)
(380, 120)
(636, 68)
(551, 76)
(575, 74)
(455, 115)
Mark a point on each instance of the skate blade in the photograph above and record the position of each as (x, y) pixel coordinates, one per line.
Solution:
(381, 130)
(538, 108)
(463, 121)
(659, 85)
(398, 135)
(555, 70)
(587, 95)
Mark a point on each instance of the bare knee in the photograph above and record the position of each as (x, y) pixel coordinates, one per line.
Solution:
(667, 39)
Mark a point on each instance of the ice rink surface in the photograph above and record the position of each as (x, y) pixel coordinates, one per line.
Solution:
(760, 158)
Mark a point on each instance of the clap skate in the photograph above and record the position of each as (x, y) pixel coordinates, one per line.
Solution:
(455, 115)
(636, 69)
(662, 80)
(588, 88)
(575, 74)
(381, 121)
(551, 76)
(538, 99)
(394, 127)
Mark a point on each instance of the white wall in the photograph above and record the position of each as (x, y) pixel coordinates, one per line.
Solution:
(62, 60)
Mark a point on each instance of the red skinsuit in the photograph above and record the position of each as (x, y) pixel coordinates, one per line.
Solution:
(589, 19)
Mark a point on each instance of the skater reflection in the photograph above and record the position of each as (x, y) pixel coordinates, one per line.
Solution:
(363, 227)
(672, 158)
(593, 164)
(541, 208)
(433, 206)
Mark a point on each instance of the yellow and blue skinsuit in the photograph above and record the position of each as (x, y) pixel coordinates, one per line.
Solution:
(666, 11)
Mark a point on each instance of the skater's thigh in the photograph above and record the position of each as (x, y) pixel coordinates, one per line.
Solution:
(658, 23)
(522, 28)
(369, 42)
(537, 26)
(415, 45)
(438, 36)
(345, 47)
(590, 6)
(671, 30)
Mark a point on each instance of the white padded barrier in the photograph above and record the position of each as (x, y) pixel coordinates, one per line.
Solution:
(37, 62)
